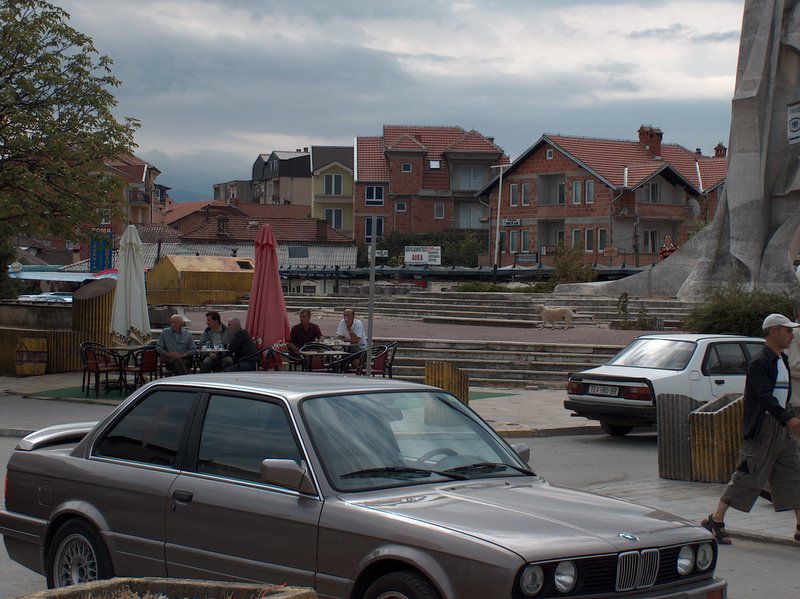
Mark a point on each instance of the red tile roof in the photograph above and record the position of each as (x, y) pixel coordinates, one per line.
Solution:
(437, 141)
(183, 209)
(287, 230)
(132, 168)
(371, 162)
(275, 210)
(609, 157)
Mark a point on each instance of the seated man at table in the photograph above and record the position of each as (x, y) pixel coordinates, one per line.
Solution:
(241, 347)
(216, 334)
(176, 346)
(303, 332)
(351, 331)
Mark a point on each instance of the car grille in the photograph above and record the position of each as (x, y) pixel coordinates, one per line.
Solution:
(637, 569)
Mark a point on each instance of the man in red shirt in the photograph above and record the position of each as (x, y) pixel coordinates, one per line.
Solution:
(667, 248)
(304, 332)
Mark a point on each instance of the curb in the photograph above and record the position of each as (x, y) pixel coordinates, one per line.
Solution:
(565, 431)
(82, 400)
(760, 538)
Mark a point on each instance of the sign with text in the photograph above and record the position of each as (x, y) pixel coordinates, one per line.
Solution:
(423, 254)
(379, 253)
(511, 222)
(793, 123)
(101, 249)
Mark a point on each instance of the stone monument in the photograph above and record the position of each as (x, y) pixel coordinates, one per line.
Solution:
(755, 234)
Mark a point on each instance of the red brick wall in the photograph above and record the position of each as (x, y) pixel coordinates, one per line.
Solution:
(405, 183)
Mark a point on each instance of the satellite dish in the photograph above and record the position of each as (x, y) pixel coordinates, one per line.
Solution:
(15, 267)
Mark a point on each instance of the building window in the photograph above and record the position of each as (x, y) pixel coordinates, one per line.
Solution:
(590, 192)
(438, 210)
(400, 206)
(333, 185)
(434, 165)
(548, 154)
(526, 240)
(513, 240)
(406, 168)
(471, 177)
(374, 195)
(513, 195)
(502, 242)
(576, 237)
(602, 238)
(651, 242)
(576, 192)
(105, 217)
(368, 228)
(653, 192)
(559, 236)
(589, 243)
(526, 194)
(333, 217)
(562, 194)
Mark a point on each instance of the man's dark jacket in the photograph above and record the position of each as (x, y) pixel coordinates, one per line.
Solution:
(242, 345)
(758, 392)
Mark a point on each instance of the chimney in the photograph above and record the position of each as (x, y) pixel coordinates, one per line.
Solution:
(698, 151)
(720, 151)
(297, 150)
(222, 226)
(650, 138)
(305, 149)
(625, 177)
(322, 229)
(491, 140)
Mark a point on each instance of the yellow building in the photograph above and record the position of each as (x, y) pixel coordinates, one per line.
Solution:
(332, 186)
(196, 280)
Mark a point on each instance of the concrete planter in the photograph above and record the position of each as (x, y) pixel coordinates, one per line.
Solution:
(130, 588)
(674, 438)
(716, 433)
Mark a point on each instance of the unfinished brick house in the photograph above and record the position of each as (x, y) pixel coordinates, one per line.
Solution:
(618, 198)
(420, 179)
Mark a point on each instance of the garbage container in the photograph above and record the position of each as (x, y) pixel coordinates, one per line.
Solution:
(716, 433)
(674, 441)
(30, 357)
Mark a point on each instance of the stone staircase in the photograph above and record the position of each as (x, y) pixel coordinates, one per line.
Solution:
(494, 309)
(500, 363)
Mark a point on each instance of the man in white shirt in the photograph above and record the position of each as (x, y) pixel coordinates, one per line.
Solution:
(351, 330)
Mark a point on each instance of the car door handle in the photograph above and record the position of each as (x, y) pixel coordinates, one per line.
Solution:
(185, 496)
(719, 381)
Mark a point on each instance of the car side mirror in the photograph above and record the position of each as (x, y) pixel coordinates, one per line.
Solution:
(523, 451)
(287, 473)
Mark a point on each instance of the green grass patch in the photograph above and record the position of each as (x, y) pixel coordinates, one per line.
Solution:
(72, 392)
(473, 395)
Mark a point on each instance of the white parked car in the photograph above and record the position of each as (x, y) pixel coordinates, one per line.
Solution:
(622, 393)
(51, 296)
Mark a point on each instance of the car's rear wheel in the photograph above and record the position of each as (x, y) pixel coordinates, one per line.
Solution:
(615, 430)
(401, 585)
(77, 554)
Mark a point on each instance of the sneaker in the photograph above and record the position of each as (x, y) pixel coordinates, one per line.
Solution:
(718, 530)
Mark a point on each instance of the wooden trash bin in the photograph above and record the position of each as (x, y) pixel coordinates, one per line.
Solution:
(674, 440)
(30, 357)
(445, 376)
(716, 434)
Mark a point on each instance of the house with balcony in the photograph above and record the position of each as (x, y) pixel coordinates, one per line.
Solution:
(332, 186)
(238, 191)
(616, 198)
(282, 178)
(143, 198)
(421, 179)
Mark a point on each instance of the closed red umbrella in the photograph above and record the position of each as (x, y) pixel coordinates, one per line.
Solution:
(267, 318)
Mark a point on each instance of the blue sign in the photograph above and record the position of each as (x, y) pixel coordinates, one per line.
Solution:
(101, 250)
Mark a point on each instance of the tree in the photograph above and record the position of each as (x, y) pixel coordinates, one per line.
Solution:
(56, 125)
(569, 266)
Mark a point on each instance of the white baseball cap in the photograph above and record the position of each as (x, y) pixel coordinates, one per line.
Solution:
(778, 320)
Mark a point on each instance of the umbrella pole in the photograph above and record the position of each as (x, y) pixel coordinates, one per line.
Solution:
(370, 311)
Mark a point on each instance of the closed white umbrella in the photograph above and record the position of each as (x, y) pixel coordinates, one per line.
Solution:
(130, 322)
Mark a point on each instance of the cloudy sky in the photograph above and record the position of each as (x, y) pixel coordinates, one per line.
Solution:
(215, 82)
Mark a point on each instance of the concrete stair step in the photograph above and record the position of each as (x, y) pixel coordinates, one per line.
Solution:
(504, 346)
(526, 356)
(501, 375)
(502, 322)
(498, 365)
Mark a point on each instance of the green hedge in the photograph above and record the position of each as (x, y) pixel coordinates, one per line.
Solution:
(737, 311)
(540, 287)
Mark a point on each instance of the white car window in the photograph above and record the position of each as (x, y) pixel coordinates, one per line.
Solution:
(666, 354)
(725, 358)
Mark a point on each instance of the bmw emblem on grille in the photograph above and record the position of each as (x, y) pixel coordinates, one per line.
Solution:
(628, 536)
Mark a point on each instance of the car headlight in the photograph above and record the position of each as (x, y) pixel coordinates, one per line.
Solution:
(532, 580)
(685, 560)
(566, 576)
(705, 557)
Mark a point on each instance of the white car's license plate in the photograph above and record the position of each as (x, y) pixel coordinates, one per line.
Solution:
(607, 390)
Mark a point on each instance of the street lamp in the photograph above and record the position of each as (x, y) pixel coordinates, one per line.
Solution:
(499, 201)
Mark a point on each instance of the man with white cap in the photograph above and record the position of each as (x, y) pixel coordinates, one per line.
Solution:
(770, 449)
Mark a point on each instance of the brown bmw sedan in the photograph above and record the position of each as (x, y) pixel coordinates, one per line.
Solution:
(359, 488)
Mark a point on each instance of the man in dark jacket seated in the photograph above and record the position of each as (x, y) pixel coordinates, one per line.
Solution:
(242, 348)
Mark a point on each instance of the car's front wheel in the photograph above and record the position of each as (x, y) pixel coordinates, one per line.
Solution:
(401, 585)
(77, 554)
(615, 430)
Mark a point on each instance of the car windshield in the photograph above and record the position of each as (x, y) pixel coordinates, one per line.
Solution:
(667, 354)
(378, 440)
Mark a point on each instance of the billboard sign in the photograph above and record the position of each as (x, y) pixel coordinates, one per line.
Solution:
(423, 254)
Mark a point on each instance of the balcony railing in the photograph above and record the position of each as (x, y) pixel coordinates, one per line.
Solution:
(459, 185)
(468, 225)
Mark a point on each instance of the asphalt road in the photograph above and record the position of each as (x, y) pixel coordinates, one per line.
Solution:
(752, 569)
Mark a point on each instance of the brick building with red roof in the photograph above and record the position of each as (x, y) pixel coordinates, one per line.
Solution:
(420, 179)
(618, 198)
